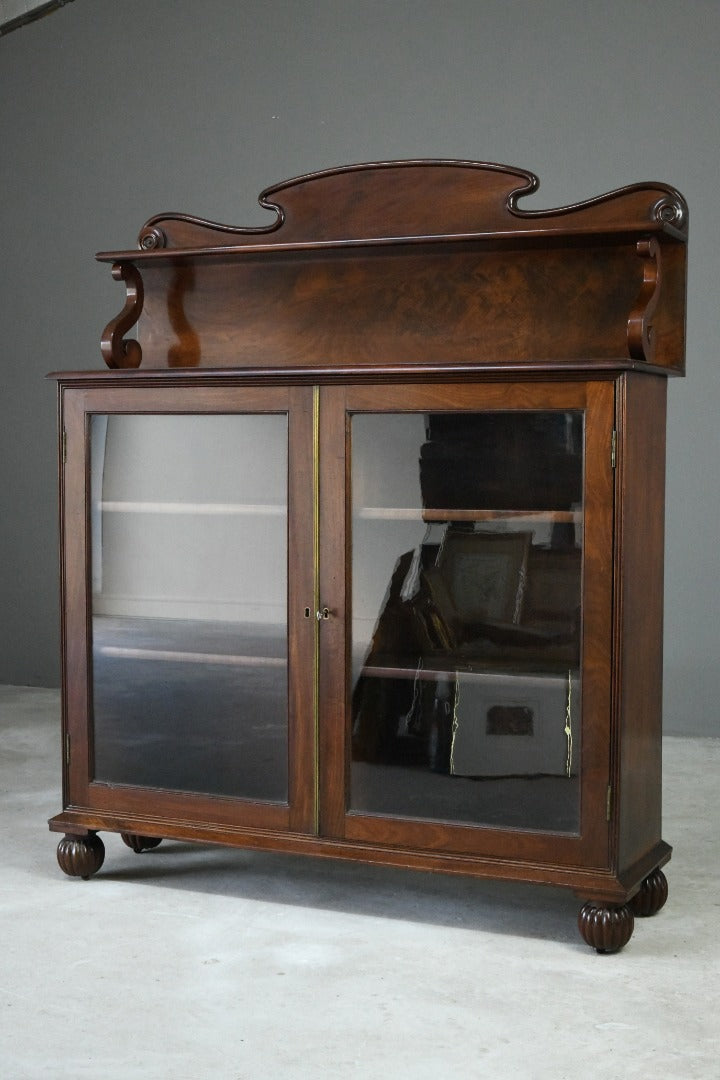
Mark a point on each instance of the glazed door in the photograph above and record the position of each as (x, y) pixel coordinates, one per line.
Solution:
(195, 687)
(466, 567)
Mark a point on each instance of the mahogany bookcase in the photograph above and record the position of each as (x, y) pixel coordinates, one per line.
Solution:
(362, 534)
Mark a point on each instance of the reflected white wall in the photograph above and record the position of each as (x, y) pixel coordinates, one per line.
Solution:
(189, 517)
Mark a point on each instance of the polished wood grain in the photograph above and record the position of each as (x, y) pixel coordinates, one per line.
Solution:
(417, 199)
(81, 856)
(140, 843)
(651, 896)
(117, 351)
(409, 262)
(639, 613)
(606, 928)
(451, 306)
(334, 642)
(301, 589)
(641, 334)
(397, 287)
(603, 884)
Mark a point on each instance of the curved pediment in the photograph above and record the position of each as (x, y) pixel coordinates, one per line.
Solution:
(416, 201)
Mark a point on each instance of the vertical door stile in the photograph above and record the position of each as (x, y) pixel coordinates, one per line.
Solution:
(76, 697)
(332, 631)
(597, 608)
(302, 603)
(316, 606)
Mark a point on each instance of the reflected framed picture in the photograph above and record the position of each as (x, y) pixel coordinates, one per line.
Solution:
(485, 574)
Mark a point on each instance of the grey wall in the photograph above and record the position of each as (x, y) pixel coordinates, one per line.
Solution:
(111, 111)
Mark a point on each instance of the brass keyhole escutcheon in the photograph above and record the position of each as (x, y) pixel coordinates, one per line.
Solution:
(323, 613)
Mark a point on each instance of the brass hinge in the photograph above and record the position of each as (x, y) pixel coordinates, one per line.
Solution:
(67, 749)
(608, 804)
(613, 449)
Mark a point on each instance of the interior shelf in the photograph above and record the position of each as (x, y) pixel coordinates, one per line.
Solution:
(434, 514)
(119, 652)
(469, 671)
(209, 509)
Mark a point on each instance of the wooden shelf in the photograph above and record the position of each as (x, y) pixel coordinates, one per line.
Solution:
(117, 652)
(203, 509)
(434, 514)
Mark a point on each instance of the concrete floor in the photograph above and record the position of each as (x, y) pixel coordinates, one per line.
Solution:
(187, 962)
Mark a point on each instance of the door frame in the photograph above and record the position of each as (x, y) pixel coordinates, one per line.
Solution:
(80, 791)
(588, 848)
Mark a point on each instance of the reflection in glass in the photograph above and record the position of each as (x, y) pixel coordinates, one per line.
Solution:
(466, 590)
(189, 568)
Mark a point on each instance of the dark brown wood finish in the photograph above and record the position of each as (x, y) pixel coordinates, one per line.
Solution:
(81, 856)
(117, 351)
(333, 592)
(606, 928)
(603, 885)
(140, 843)
(419, 306)
(387, 201)
(652, 895)
(437, 304)
(301, 589)
(640, 521)
(409, 262)
(400, 287)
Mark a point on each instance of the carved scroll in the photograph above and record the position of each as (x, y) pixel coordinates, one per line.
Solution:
(641, 342)
(117, 352)
(671, 209)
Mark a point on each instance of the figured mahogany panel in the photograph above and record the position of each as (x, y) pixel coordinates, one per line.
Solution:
(413, 306)
(414, 199)
(409, 262)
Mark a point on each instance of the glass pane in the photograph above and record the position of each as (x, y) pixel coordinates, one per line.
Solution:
(467, 534)
(189, 577)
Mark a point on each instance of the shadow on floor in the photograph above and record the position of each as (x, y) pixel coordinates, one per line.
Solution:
(528, 911)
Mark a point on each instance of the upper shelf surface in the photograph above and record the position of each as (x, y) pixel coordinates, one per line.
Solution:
(394, 201)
